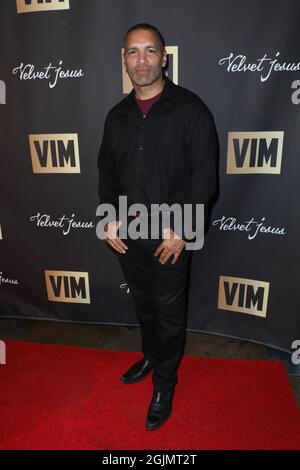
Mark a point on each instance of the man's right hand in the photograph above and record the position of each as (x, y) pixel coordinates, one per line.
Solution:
(112, 237)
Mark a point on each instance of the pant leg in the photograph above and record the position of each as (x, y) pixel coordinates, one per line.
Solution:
(138, 272)
(159, 293)
(170, 296)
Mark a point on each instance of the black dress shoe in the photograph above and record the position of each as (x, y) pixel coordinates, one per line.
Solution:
(159, 410)
(137, 372)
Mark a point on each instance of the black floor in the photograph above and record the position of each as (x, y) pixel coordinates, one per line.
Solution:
(129, 339)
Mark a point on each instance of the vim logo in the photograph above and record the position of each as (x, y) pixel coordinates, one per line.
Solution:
(68, 286)
(243, 295)
(254, 152)
(2, 352)
(54, 153)
(29, 6)
(2, 92)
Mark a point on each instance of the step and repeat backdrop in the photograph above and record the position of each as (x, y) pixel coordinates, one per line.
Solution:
(60, 73)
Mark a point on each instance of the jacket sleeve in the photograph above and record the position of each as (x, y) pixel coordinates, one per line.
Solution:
(107, 174)
(201, 146)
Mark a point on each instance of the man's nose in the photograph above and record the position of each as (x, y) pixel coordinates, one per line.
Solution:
(141, 56)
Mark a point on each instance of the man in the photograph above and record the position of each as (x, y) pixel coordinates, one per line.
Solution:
(159, 146)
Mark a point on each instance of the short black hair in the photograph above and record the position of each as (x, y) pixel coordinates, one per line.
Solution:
(148, 27)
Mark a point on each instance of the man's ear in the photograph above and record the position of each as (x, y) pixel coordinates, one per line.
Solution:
(164, 58)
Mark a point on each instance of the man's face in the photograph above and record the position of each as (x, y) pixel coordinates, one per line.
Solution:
(143, 57)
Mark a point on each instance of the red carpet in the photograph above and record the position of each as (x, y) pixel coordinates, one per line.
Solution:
(56, 397)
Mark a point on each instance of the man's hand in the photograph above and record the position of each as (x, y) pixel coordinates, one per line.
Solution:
(172, 245)
(112, 237)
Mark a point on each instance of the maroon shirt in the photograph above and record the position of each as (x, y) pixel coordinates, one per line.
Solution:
(145, 105)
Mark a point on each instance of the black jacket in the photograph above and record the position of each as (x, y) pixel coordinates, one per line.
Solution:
(170, 156)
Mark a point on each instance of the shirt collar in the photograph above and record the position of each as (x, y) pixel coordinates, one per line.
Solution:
(169, 91)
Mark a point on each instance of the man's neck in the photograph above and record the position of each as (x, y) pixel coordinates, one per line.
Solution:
(147, 92)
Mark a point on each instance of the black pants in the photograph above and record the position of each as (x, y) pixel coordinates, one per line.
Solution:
(159, 293)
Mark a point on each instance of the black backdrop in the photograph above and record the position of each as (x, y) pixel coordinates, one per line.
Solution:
(245, 281)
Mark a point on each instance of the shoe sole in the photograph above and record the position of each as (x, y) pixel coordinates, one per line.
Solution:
(129, 382)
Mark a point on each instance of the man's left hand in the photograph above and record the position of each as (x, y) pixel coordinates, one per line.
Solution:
(172, 245)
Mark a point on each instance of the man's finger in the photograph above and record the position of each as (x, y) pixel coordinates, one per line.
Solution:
(121, 245)
(112, 244)
(176, 256)
(165, 256)
(159, 249)
(115, 246)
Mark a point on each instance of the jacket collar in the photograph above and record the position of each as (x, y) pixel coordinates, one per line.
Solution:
(169, 91)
